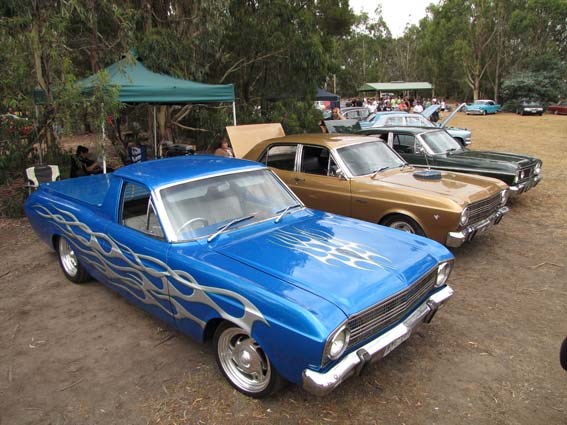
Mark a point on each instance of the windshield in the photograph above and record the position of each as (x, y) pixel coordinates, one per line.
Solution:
(199, 208)
(441, 142)
(369, 157)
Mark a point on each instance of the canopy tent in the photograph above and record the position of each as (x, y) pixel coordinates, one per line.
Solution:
(396, 86)
(324, 95)
(140, 85)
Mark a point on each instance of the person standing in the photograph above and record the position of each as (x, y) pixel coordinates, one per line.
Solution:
(223, 149)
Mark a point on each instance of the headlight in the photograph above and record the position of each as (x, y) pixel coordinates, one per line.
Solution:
(537, 169)
(464, 217)
(443, 272)
(517, 178)
(337, 343)
(504, 197)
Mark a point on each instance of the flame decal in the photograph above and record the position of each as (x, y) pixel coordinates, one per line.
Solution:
(328, 249)
(145, 278)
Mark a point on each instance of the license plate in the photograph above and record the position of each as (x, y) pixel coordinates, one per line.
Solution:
(395, 344)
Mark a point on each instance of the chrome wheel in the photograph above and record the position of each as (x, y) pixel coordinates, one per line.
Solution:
(403, 226)
(243, 361)
(68, 258)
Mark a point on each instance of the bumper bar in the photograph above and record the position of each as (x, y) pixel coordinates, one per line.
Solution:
(456, 239)
(321, 383)
(524, 187)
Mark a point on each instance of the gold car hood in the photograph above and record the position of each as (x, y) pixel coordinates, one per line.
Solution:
(462, 188)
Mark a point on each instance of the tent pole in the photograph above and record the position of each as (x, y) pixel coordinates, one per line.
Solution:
(103, 144)
(234, 112)
(155, 135)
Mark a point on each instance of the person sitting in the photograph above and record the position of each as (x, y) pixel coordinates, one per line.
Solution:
(336, 115)
(82, 165)
(223, 149)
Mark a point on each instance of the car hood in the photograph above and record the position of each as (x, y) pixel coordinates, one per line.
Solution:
(350, 263)
(461, 188)
(502, 161)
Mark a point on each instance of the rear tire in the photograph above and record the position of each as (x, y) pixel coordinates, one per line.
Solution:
(403, 223)
(72, 268)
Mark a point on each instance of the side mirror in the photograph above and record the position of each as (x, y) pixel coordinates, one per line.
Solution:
(340, 174)
(419, 149)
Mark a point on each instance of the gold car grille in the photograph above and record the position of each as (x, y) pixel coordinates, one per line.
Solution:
(380, 316)
(481, 210)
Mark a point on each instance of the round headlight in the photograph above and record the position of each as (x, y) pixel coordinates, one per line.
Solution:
(443, 272)
(504, 195)
(464, 217)
(537, 170)
(338, 343)
(517, 178)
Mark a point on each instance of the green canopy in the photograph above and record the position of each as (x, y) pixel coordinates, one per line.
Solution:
(140, 85)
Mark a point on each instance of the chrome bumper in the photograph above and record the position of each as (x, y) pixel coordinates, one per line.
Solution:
(456, 239)
(321, 383)
(524, 187)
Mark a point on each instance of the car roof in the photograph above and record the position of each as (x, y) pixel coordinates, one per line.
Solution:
(402, 129)
(162, 172)
(332, 140)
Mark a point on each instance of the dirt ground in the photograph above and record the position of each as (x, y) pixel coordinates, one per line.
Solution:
(79, 354)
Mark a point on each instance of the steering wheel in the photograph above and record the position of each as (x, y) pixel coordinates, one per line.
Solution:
(191, 222)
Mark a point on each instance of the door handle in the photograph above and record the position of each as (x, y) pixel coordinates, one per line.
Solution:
(361, 201)
(298, 179)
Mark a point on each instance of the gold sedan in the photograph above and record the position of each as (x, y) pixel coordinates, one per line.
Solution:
(362, 177)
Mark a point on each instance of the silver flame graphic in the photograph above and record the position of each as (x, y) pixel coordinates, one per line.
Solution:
(139, 275)
(331, 250)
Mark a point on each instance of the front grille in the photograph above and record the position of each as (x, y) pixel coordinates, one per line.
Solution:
(379, 317)
(481, 210)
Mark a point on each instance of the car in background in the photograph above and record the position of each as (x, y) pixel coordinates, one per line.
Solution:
(529, 107)
(483, 107)
(434, 148)
(357, 113)
(363, 178)
(404, 119)
(558, 109)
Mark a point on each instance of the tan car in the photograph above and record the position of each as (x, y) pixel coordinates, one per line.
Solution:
(362, 177)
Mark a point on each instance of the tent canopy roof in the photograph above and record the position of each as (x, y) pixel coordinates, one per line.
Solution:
(140, 85)
(325, 95)
(396, 86)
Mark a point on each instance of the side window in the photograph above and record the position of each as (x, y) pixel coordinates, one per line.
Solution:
(404, 143)
(315, 160)
(281, 157)
(138, 212)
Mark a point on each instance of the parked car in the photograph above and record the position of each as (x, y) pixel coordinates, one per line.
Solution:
(529, 107)
(362, 177)
(483, 107)
(434, 148)
(402, 119)
(222, 250)
(563, 354)
(559, 109)
(350, 113)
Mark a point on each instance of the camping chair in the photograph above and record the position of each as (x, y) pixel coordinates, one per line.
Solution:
(41, 174)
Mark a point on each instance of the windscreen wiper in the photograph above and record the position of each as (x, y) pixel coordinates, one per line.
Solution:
(285, 211)
(227, 225)
(375, 172)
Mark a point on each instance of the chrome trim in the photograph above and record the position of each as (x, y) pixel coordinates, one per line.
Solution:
(321, 383)
(474, 171)
(456, 239)
(526, 185)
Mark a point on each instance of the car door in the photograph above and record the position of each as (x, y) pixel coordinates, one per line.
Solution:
(409, 147)
(139, 253)
(318, 181)
(282, 159)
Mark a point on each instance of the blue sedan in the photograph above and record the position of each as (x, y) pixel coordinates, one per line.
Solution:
(483, 107)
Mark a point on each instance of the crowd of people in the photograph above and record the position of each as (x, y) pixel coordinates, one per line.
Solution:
(397, 103)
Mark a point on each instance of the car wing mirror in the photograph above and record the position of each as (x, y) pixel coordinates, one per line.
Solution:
(419, 149)
(340, 174)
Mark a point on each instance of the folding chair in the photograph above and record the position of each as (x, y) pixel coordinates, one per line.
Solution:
(41, 174)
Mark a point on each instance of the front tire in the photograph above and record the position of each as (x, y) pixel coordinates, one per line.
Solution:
(403, 223)
(243, 362)
(563, 354)
(72, 268)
